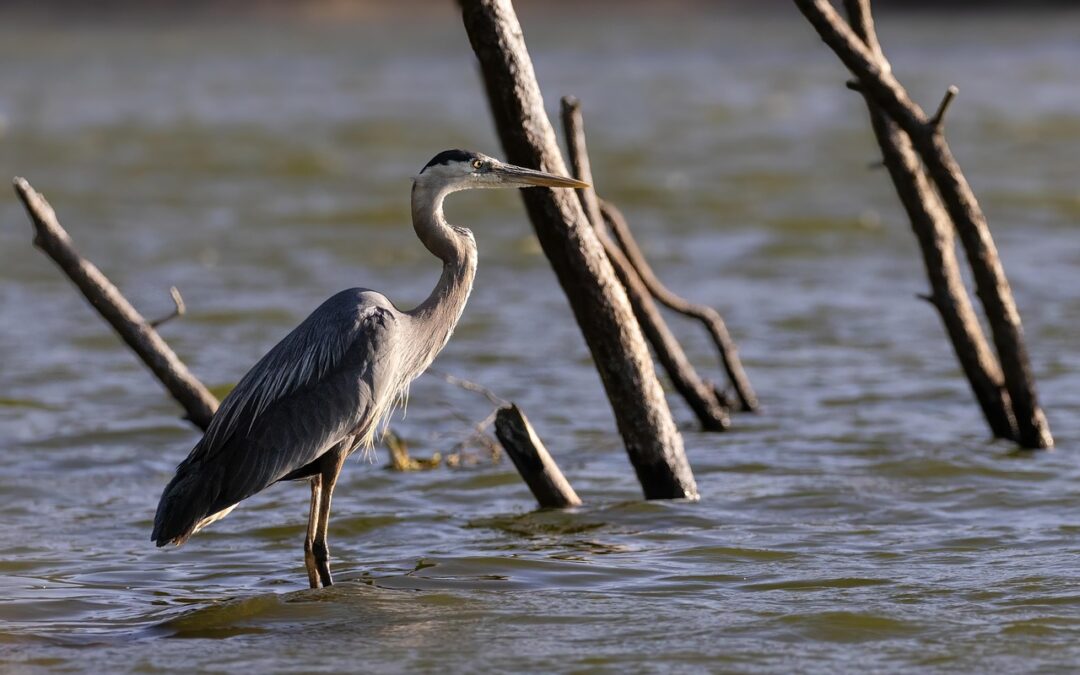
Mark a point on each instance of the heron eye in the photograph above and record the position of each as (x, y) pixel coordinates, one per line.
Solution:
(477, 164)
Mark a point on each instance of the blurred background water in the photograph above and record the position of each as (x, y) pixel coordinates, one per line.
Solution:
(863, 521)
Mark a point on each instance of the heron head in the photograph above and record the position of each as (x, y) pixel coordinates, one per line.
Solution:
(465, 170)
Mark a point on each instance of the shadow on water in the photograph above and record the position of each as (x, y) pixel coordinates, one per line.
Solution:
(347, 602)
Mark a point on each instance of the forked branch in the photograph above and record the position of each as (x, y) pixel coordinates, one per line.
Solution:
(700, 396)
(934, 231)
(928, 139)
(709, 317)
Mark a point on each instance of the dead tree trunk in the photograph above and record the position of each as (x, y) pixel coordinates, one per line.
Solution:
(700, 396)
(928, 139)
(133, 328)
(604, 217)
(935, 235)
(596, 297)
(709, 317)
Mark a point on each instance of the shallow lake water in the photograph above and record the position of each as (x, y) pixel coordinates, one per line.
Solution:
(862, 521)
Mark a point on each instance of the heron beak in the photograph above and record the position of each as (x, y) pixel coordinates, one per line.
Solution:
(517, 176)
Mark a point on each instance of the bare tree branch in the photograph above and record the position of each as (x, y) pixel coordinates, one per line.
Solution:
(135, 330)
(179, 308)
(963, 208)
(709, 317)
(468, 385)
(934, 232)
(700, 396)
(601, 212)
(938, 120)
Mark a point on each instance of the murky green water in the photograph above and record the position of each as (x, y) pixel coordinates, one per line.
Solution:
(862, 522)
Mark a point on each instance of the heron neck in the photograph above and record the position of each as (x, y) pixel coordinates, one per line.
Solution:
(437, 316)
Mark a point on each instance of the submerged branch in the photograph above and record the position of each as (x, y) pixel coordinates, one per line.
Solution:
(533, 462)
(934, 231)
(133, 328)
(604, 216)
(400, 460)
(598, 300)
(928, 139)
(700, 396)
(709, 317)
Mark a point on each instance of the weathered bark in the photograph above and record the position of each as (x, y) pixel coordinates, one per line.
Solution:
(595, 295)
(601, 212)
(699, 395)
(533, 462)
(709, 317)
(133, 328)
(928, 139)
(934, 232)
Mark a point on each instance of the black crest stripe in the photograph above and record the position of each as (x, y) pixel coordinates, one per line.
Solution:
(447, 156)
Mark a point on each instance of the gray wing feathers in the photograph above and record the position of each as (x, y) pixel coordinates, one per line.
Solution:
(323, 382)
(302, 357)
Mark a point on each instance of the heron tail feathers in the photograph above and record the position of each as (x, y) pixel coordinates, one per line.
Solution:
(185, 505)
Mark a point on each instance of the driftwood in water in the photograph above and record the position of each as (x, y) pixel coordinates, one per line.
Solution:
(532, 460)
(708, 316)
(699, 395)
(522, 445)
(936, 238)
(132, 327)
(602, 213)
(400, 460)
(927, 135)
(596, 297)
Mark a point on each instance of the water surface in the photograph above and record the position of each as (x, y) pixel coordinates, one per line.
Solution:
(863, 521)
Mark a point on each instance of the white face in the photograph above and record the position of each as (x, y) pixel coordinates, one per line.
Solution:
(460, 170)
(459, 175)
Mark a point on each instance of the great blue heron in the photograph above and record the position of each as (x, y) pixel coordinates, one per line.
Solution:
(323, 390)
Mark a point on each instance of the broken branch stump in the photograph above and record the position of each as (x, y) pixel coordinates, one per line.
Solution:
(532, 460)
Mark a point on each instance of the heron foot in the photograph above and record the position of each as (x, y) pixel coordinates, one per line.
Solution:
(317, 562)
(309, 563)
(321, 553)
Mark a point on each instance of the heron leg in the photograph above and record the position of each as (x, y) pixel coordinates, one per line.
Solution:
(329, 475)
(312, 527)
